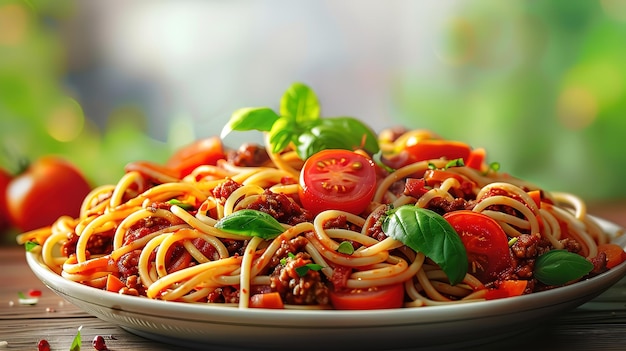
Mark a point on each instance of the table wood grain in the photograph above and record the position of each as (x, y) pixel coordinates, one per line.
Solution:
(596, 325)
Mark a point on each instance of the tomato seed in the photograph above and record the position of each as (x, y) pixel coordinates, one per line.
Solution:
(34, 293)
(43, 345)
(99, 343)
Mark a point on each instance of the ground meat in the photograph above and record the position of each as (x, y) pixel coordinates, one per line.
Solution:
(296, 244)
(248, 155)
(222, 191)
(101, 243)
(127, 264)
(374, 223)
(69, 247)
(144, 227)
(281, 207)
(133, 286)
(442, 206)
(225, 294)
(525, 251)
(297, 289)
(341, 222)
(206, 249)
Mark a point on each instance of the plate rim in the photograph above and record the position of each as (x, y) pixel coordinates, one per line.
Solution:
(582, 290)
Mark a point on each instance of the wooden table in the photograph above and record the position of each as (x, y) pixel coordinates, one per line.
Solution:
(597, 325)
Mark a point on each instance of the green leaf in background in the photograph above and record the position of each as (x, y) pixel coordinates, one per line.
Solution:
(251, 223)
(299, 103)
(250, 118)
(558, 267)
(426, 231)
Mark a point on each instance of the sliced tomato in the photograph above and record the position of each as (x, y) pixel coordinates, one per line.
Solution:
(507, 288)
(429, 149)
(200, 152)
(267, 300)
(476, 159)
(337, 179)
(486, 244)
(615, 254)
(381, 297)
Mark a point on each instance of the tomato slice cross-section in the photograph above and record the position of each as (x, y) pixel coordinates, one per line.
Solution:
(337, 179)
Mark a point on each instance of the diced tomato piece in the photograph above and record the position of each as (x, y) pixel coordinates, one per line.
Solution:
(268, 300)
(114, 284)
(507, 288)
(615, 254)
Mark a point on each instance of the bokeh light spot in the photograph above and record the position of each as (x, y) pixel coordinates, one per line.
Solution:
(13, 24)
(66, 121)
(458, 42)
(615, 9)
(577, 108)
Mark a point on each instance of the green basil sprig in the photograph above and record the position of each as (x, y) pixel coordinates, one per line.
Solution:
(299, 123)
(251, 223)
(557, 267)
(426, 231)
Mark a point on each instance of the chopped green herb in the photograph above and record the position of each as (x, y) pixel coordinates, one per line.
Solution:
(513, 241)
(185, 206)
(455, 163)
(303, 270)
(30, 245)
(345, 247)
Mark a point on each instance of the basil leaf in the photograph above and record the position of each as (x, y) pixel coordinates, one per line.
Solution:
(335, 133)
(426, 231)
(558, 267)
(251, 118)
(360, 135)
(299, 104)
(251, 223)
(283, 132)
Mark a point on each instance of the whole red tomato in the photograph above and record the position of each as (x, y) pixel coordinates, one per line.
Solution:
(49, 188)
(5, 178)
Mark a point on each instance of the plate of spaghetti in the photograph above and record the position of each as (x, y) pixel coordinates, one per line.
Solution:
(326, 233)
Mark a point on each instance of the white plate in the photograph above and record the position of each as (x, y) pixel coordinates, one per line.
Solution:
(219, 327)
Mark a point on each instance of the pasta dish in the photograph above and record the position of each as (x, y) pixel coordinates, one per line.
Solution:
(403, 218)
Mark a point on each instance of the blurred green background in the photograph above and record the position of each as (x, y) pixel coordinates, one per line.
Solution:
(539, 84)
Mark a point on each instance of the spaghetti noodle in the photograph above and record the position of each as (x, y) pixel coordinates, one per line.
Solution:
(158, 234)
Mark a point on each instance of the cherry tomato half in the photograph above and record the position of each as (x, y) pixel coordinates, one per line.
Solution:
(381, 297)
(49, 188)
(337, 179)
(200, 152)
(486, 244)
